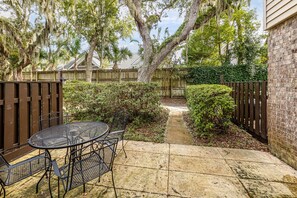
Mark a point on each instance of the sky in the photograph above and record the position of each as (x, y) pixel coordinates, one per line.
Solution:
(173, 21)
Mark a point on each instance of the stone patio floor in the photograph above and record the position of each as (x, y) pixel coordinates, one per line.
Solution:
(171, 170)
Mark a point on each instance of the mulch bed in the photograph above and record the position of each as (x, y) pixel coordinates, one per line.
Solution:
(235, 137)
(148, 132)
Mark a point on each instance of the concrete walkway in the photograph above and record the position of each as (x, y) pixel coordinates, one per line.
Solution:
(172, 170)
(176, 130)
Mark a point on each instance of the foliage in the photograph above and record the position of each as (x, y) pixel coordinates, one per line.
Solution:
(117, 54)
(148, 14)
(99, 23)
(211, 108)
(94, 101)
(231, 73)
(228, 39)
(26, 25)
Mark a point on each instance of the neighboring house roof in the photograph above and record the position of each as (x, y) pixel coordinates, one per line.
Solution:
(134, 62)
(80, 63)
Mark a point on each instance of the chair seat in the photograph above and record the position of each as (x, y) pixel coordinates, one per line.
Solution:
(85, 170)
(16, 172)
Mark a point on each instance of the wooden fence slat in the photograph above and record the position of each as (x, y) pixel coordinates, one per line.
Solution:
(53, 102)
(23, 114)
(60, 100)
(9, 121)
(238, 102)
(264, 110)
(241, 88)
(35, 107)
(251, 89)
(257, 108)
(44, 102)
(246, 105)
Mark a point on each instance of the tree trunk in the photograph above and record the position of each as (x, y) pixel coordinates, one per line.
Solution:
(89, 67)
(19, 76)
(145, 73)
(115, 65)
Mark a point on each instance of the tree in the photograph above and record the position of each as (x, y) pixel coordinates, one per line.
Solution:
(26, 28)
(148, 13)
(116, 54)
(74, 47)
(229, 38)
(99, 22)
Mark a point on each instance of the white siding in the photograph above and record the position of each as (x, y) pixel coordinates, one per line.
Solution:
(276, 11)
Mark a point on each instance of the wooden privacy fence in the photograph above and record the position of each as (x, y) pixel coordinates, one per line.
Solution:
(251, 107)
(21, 104)
(171, 83)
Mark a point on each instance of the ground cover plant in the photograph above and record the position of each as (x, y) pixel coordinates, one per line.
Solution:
(99, 101)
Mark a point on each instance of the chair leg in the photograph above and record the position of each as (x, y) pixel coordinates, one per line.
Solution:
(49, 182)
(58, 187)
(124, 148)
(115, 192)
(2, 188)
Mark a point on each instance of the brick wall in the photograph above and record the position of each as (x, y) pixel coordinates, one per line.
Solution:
(282, 90)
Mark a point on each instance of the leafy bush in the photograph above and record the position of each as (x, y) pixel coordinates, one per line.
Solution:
(95, 101)
(231, 73)
(211, 107)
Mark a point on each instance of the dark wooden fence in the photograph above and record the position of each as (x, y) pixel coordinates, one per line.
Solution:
(251, 107)
(21, 104)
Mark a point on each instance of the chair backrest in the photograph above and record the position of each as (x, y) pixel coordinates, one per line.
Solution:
(88, 163)
(119, 121)
(48, 120)
(53, 119)
(3, 162)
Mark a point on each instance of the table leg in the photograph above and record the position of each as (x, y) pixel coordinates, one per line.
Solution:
(47, 170)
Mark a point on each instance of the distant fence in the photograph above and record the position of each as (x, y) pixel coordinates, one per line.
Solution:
(251, 107)
(21, 104)
(172, 85)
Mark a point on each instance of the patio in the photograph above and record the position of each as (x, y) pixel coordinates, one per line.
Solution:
(171, 170)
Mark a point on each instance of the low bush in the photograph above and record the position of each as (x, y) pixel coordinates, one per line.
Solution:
(231, 73)
(211, 108)
(96, 101)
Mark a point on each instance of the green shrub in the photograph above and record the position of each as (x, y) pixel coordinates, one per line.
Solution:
(211, 107)
(96, 101)
(231, 73)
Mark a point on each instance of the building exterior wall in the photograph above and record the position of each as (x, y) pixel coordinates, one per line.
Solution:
(282, 91)
(277, 11)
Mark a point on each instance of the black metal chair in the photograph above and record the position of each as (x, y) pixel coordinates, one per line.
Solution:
(12, 173)
(118, 127)
(54, 118)
(87, 164)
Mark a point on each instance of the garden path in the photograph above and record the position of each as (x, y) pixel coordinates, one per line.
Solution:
(176, 130)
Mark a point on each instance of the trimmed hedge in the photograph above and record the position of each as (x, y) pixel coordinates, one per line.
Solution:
(231, 73)
(211, 107)
(96, 101)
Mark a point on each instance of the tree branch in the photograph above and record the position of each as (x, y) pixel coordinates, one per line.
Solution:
(180, 35)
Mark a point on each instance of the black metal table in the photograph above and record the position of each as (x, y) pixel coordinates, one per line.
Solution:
(66, 136)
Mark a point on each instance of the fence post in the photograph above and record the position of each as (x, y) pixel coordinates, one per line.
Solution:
(222, 79)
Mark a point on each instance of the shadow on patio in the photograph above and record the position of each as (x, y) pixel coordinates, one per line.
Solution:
(170, 170)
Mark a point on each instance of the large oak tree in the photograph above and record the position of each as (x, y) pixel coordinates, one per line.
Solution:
(147, 14)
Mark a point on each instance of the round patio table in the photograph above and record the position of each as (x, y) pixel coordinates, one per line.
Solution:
(67, 136)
